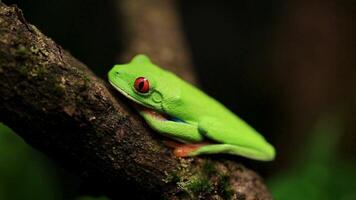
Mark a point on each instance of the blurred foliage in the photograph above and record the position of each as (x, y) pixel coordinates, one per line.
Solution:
(319, 173)
(24, 172)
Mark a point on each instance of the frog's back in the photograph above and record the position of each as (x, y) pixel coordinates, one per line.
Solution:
(198, 104)
(200, 107)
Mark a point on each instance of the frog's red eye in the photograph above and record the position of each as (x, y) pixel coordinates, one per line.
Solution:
(142, 85)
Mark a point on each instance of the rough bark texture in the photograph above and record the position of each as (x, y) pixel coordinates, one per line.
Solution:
(58, 106)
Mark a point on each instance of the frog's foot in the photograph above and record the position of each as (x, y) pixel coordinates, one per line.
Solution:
(184, 150)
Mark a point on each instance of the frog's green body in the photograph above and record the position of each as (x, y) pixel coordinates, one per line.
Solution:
(193, 116)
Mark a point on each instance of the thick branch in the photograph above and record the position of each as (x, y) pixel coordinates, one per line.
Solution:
(58, 106)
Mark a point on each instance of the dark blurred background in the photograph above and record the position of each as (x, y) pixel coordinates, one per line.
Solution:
(286, 67)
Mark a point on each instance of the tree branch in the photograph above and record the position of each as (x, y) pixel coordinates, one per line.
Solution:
(58, 106)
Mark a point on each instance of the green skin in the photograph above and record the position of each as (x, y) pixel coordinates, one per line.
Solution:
(181, 111)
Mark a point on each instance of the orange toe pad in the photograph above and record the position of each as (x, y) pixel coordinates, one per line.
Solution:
(183, 150)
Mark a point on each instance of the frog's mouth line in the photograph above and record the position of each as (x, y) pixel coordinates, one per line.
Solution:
(146, 108)
(128, 95)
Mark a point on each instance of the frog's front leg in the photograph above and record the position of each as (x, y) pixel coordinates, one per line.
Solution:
(178, 130)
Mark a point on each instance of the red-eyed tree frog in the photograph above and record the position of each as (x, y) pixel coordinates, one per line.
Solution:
(184, 113)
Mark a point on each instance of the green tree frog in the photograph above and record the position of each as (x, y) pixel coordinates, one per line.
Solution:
(184, 113)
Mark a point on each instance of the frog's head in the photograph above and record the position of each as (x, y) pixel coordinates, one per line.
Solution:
(143, 82)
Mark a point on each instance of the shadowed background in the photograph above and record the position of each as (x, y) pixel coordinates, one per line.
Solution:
(286, 67)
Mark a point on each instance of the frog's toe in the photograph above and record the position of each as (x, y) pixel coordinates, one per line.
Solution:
(184, 150)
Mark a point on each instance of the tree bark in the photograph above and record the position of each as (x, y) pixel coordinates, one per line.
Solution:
(60, 107)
